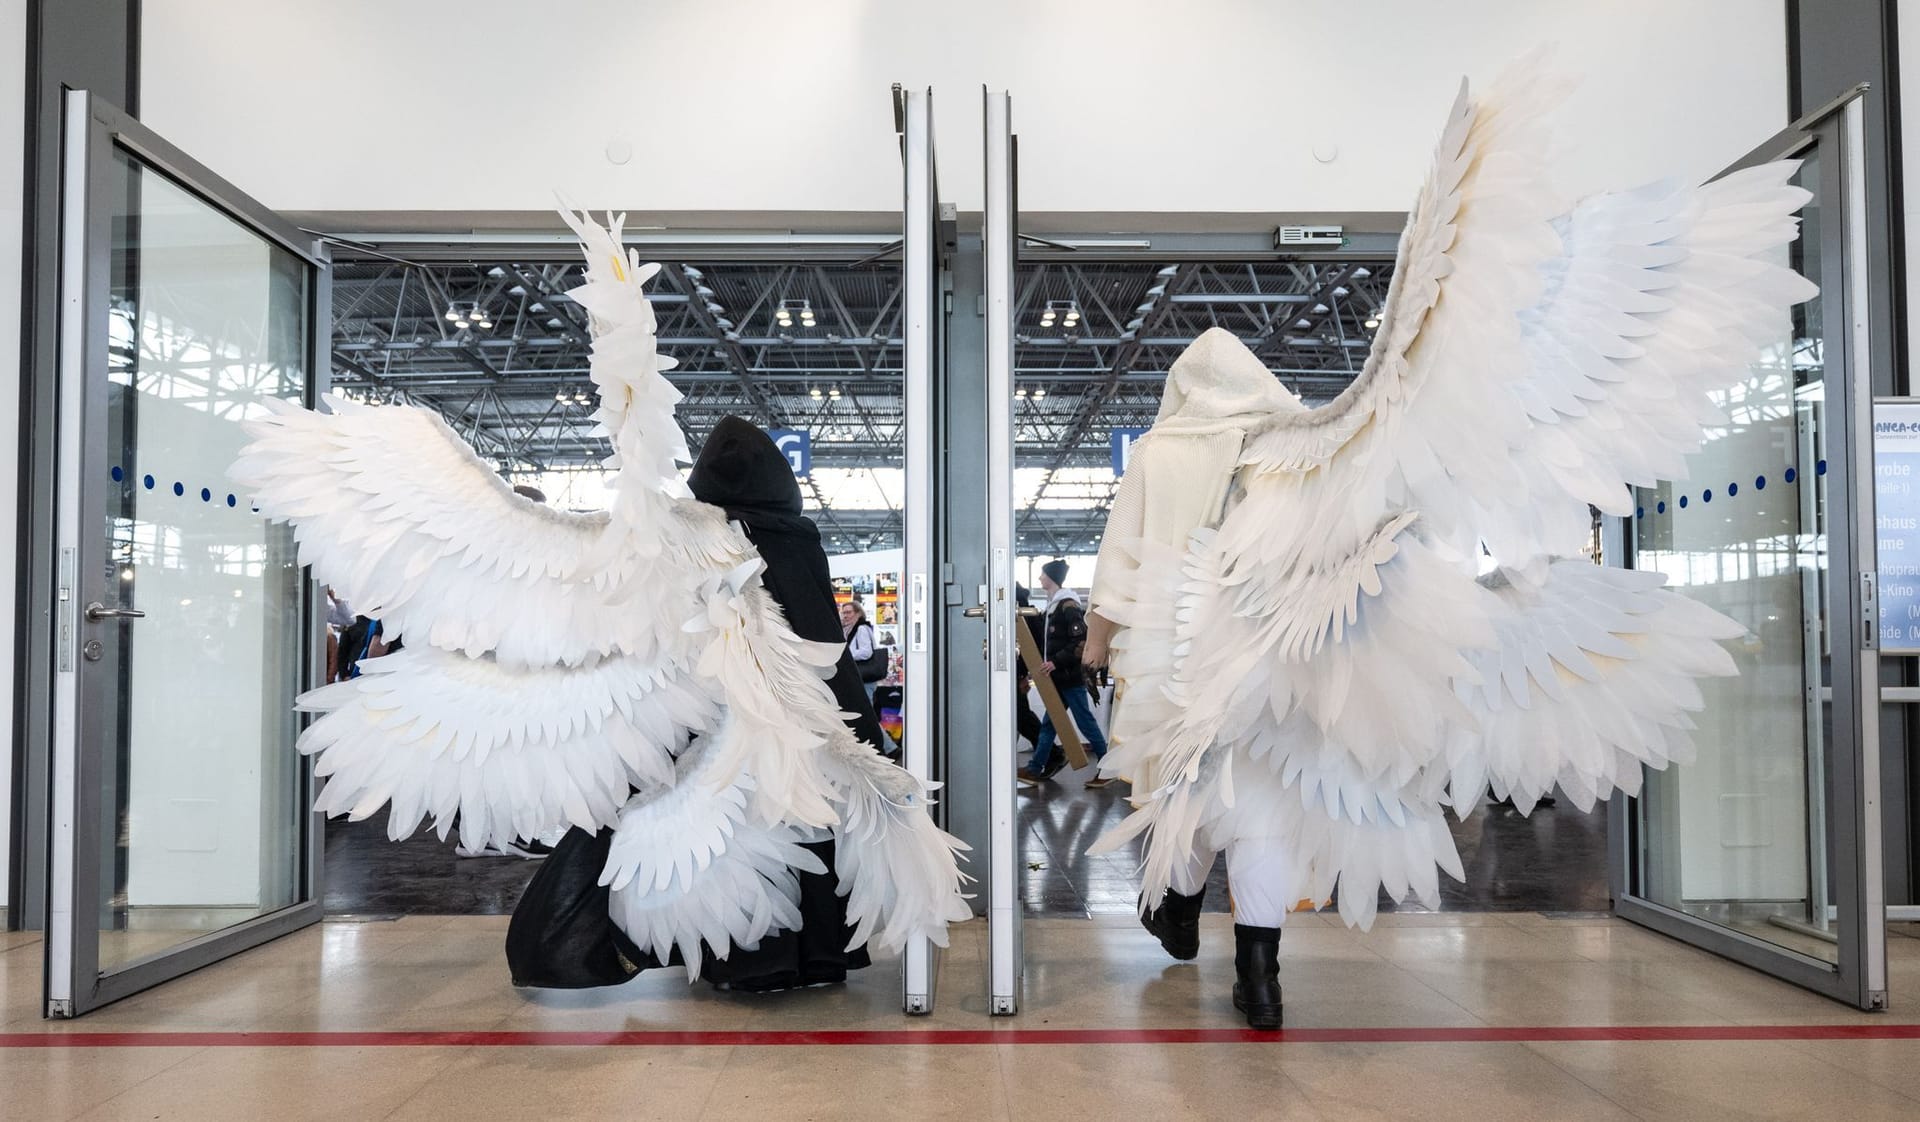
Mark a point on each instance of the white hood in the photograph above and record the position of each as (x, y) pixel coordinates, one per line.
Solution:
(1218, 383)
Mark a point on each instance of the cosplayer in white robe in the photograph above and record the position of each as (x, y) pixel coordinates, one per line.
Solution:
(1312, 682)
(1180, 478)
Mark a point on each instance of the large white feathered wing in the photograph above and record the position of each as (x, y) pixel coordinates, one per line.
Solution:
(1533, 358)
(548, 667)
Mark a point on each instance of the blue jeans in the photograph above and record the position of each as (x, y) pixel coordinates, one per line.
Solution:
(1081, 707)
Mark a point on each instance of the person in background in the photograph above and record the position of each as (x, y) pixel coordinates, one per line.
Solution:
(1064, 635)
(339, 618)
(868, 658)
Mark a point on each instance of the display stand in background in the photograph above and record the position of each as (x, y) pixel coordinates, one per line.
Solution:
(1896, 501)
(1896, 505)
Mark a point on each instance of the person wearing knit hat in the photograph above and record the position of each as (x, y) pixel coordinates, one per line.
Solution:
(1061, 641)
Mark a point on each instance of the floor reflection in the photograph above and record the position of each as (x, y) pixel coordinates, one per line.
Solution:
(1552, 861)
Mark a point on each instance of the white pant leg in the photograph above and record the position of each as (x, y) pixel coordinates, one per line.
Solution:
(1258, 875)
(1190, 878)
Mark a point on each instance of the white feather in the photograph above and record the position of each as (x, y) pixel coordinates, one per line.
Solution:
(1330, 640)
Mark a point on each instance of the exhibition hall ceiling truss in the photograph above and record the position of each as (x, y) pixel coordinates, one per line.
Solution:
(499, 351)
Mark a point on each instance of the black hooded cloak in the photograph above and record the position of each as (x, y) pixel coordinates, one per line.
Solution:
(561, 935)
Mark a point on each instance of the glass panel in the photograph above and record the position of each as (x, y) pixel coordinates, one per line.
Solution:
(201, 815)
(1738, 836)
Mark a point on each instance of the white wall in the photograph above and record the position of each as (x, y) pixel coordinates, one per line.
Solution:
(13, 123)
(1127, 105)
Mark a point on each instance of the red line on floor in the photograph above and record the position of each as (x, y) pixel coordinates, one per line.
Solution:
(949, 1037)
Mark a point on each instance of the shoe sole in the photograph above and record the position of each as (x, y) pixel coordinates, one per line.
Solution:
(1260, 1020)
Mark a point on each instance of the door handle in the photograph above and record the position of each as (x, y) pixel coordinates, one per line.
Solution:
(97, 611)
(978, 611)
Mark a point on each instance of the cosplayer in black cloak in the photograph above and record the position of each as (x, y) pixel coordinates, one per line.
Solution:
(561, 935)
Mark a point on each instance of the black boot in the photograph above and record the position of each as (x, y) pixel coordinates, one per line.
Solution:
(1176, 923)
(1256, 961)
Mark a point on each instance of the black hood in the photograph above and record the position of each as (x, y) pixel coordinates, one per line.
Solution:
(743, 471)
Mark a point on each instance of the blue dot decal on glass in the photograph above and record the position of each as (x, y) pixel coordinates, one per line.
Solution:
(1683, 502)
(179, 488)
(1820, 468)
(1706, 496)
(206, 496)
(1759, 482)
(231, 501)
(118, 475)
(1791, 475)
(1640, 512)
(1660, 507)
(148, 480)
(1732, 489)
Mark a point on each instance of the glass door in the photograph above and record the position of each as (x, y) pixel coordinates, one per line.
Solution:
(1766, 848)
(181, 830)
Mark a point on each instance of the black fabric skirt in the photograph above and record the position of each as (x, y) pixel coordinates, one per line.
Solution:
(562, 937)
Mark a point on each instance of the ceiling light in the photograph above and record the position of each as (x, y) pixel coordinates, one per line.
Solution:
(1303, 322)
(487, 323)
(1021, 392)
(461, 324)
(1168, 271)
(814, 393)
(1040, 391)
(834, 393)
(451, 314)
(1320, 309)
(561, 396)
(692, 272)
(1340, 290)
(1362, 273)
(1373, 322)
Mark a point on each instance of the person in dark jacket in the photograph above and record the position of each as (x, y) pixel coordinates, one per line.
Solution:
(1063, 637)
(742, 471)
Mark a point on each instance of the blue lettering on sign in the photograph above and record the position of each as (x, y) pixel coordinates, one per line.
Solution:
(1896, 503)
(797, 446)
(1123, 448)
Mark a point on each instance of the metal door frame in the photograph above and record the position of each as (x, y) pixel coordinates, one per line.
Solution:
(999, 246)
(1853, 748)
(73, 982)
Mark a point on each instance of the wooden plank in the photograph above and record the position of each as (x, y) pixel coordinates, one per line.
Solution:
(1063, 725)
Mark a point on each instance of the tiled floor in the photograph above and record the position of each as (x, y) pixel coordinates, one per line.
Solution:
(1436, 983)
